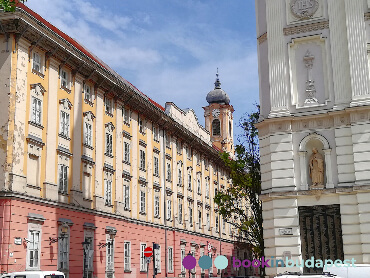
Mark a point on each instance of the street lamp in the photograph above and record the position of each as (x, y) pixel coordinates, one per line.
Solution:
(86, 247)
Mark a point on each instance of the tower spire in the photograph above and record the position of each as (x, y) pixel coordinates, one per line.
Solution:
(217, 82)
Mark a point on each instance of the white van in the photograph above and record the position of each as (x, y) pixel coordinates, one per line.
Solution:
(356, 271)
(34, 274)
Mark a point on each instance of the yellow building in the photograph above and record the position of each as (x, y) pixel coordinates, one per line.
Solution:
(86, 157)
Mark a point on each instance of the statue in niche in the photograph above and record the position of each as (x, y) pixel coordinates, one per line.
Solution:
(316, 168)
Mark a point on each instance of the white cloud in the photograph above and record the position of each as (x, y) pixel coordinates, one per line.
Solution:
(168, 57)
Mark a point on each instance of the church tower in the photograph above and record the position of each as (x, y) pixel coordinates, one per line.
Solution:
(219, 118)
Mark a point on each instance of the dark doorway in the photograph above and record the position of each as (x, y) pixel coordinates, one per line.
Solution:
(321, 234)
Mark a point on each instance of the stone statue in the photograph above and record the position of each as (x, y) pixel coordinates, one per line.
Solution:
(316, 168)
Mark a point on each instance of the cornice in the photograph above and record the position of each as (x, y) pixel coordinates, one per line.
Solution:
(40, 201)
(329, 120)
(306, 28)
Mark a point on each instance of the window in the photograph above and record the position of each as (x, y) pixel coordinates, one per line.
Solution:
(180, 211)
(207, 187)
(63, 178)
(88, 94)
(168, 172)
(224, 226)
(108, 106)
(126, 157)
(216, 127)
(188, 152)
(170, 259)
(199, 187)
(64, 124)
(108, 192)
(179, 177)
(156, 206)
(89, 255)
(190, 215)
(33, 248)
(208, 222)
(142, 201)
(64, 79)
(126, 197)
(230, 129)
(142, 257)
(88, 134)
(179, 146)
(182, 258)
(142, 160)
(36, 111)
(141, 126)
(126, 115)
(168, 141)
(110, 254)
(158, 258)
(36, 66)
(200, 219)
(169, 207)
(156, 166)
(189, 181)
(216, 224)
(63, 248)
(155, 134)
(108, 144)
(127, 254)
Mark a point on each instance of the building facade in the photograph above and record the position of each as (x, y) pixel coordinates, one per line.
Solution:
(314, 129)
(93, 171)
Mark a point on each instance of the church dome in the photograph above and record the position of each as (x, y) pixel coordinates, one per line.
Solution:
(217, 95)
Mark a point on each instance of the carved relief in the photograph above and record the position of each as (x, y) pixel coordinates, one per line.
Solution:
(310, 83)
(304, 9)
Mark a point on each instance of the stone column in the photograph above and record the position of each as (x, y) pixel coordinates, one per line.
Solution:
(277, 57)
(329, 175)
(303, 166)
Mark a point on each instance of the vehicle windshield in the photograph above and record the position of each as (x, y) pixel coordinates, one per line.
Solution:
(54, 276)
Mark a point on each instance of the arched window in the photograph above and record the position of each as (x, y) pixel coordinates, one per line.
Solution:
(230, 128)
(216, 127)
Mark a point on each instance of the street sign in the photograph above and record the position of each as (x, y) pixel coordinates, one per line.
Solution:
(148, 252)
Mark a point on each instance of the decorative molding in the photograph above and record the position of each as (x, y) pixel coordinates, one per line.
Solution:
(66, 103)
(108, 168)
(261, 39)
(306, 28)
(142, 143)
(367, 16)
(110, 126)
(89, 115)
(126, 134)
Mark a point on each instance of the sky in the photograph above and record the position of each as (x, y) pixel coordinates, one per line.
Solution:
(169, 49)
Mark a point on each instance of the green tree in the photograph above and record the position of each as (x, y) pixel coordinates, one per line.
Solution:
(9, 5)
(239, 204)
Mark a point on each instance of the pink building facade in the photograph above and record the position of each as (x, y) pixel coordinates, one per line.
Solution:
(17, 215)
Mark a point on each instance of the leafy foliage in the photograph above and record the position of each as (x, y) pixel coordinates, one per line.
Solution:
(240, 204)
(9, 5)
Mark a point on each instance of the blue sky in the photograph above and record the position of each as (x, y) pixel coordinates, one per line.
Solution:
(169, 49)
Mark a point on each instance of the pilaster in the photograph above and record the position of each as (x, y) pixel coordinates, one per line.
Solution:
(358, 61)
(339, 52)
(278, 71)
(99, 147)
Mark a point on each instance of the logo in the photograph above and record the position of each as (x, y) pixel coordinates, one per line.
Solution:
(304, 9)
(205, 262)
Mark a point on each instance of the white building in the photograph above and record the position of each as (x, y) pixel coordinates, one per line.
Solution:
(314, 93)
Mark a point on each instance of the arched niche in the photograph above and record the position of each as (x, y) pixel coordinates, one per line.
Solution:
(305, 151)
